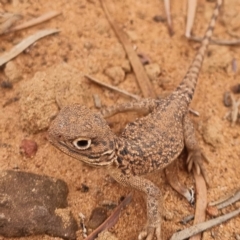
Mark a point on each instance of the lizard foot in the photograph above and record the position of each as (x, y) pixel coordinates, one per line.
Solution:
(149, 232)
(192, 196)
(194, 160)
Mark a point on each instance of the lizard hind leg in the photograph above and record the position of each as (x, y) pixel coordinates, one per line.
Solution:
(195, 156)
(172, 176)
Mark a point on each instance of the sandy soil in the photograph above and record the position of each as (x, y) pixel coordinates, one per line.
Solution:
(87, 45)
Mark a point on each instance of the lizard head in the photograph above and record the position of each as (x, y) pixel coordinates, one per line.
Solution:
(84, 135)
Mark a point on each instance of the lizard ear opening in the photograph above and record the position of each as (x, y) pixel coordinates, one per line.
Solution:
(81, 143)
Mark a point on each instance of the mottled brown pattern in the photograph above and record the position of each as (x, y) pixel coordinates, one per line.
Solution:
(146, 145)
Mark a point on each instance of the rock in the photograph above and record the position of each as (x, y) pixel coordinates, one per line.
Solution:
(88, 45)
(97, 101)
(212, 132)
(98, 216)
(168, 215)
(28, 148)
(116, 74)
(12, 72)
(32, 204)
(153, 71)
(46, 92)
(105, 235)
(84, 188)
(212, 211)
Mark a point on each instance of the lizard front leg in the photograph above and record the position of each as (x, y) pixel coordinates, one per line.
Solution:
(144, 106)
(194, 159)
(153, 196)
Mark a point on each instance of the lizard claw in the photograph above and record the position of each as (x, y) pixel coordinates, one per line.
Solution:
(191, 200)
(149, 232)
(194, 160)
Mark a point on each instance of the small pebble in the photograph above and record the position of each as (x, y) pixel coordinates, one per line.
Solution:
(98, 216)
(97, 101)
(144, 58)
(6, 84)
(212, 132)
(84, 188)
(153, 71)
(12, 72)
(126, 66)
(227, 99)
(168, 216)
(28, 148)
(88, 45)
(237, 204)
(236, 88)
(159, 18)
(212, 211)
(116, 74)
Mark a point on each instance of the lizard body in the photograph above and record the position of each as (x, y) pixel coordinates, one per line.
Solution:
(148, 144)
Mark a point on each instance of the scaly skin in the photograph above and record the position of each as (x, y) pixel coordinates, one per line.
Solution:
(146, 145)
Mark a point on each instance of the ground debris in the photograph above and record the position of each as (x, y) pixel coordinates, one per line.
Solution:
(98, 216)
(233, 114)
(34, 209)
(195, 229)
(16, 50)
(7, 20)
(28, 148)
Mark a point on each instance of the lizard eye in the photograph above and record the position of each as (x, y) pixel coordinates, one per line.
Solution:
(81, 143)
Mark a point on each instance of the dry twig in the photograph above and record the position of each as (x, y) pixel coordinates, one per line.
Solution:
(195, 229)
(192, 5)
(194, 112)
(168, 14)
(138, 69)
(226, 201)
(217, 41)
(33, 22)
(201, 201)
(187, 219)
(112, 87)
(111, 220)
(16, 50)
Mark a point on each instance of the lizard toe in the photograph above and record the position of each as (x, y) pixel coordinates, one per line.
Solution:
(149, 232)
(194, 161)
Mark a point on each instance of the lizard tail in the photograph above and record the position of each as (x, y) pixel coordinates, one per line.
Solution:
(187, 87)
